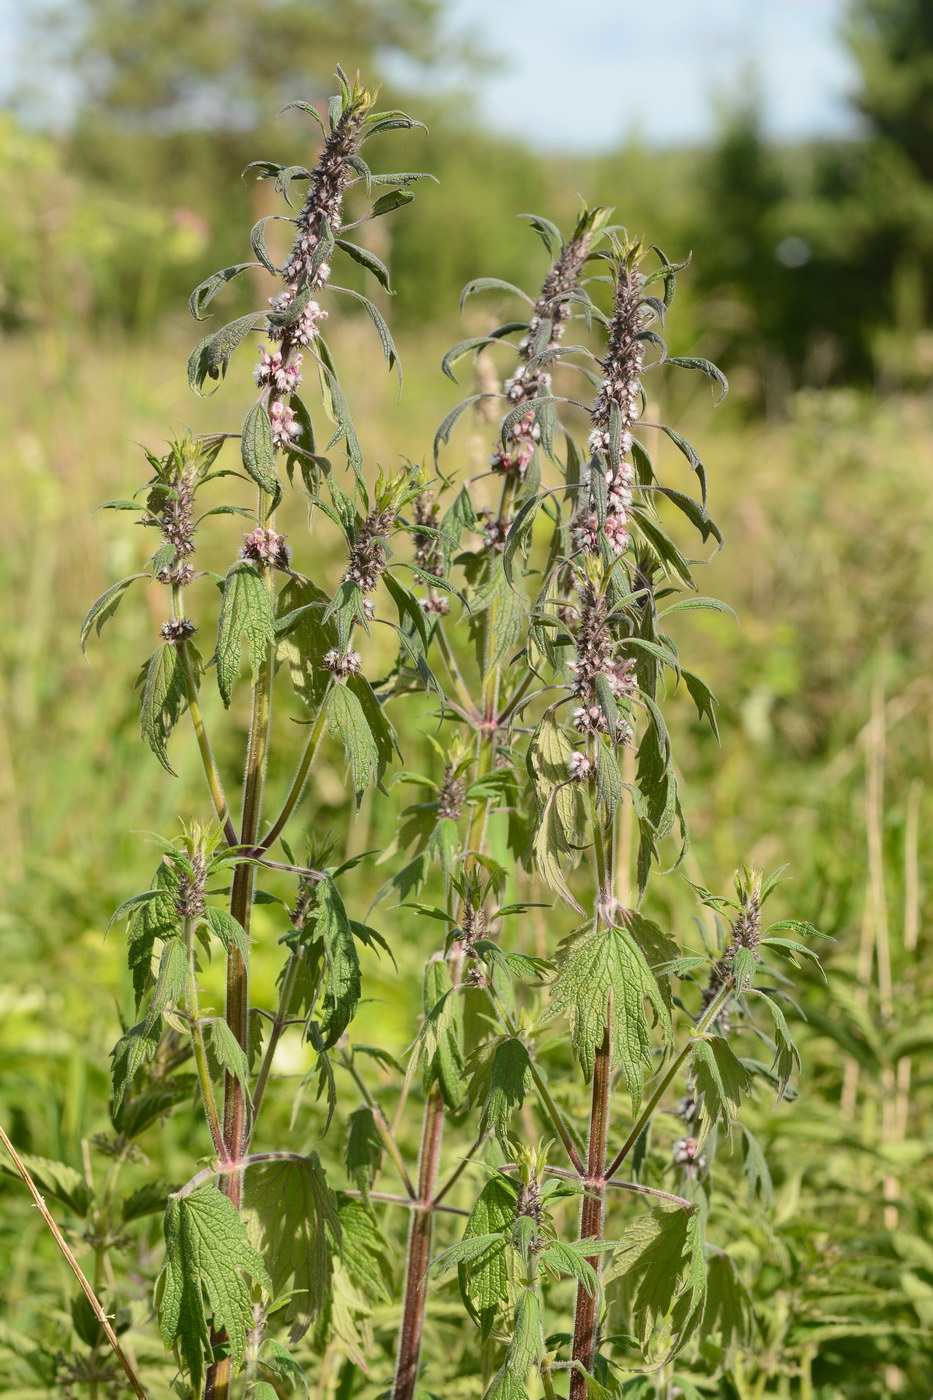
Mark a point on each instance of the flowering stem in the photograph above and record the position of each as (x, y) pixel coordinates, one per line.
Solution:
(703, 1025)
(75, 1268)
(235, 1123)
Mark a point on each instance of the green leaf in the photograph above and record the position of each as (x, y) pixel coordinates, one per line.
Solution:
(798, 926)
(170, 983)
(712, 372)
(695, 604)
(228, 929)
(205, 292)
(395, 199)
(208, 1258)
(484, 1281)
(522, 1353)
(363, 1150)
(246, 611)
(342, 984)
(291, 1216)
(257, 241)
(721, 1078)
(729, 1308)
(139, 1112)
(500, 1077)
(210, 357)
(442, 436)
(380, 729)
(228, 1052)
(304, 640)
(442, 1033)
(604, 980)
(105, 607)
(148, 1199)
(163, 700)
(786, 1056)
(135, 1048)
(486, 284)
(367, 260)
(347, 722)
(55, 1179)
(497, 613)
(157, 919)
(652, 1255)
(363, 1252)
(755, 1167)
(378, 320)
(703, 698)
(284, 1367)
(793, 952)
(563, 1260)
(258, 452)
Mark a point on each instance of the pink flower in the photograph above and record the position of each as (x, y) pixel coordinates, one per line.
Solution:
(285, 428)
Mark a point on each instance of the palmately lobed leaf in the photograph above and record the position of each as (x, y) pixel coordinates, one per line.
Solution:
(291, 1216)
(603, 980)
(208, 1259)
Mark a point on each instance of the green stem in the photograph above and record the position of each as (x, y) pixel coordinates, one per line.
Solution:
(298, 783)
(278, 1026)
(700, 1029)
(211, 771)
(454, 671)
(382, 1126)
(458, 1170)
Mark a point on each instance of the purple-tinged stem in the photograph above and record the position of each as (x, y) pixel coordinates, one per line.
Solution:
(419, 1252)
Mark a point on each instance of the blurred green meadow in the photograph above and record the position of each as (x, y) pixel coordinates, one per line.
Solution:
(819, 476)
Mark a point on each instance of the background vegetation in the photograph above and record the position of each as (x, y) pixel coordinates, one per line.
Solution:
(813, 287)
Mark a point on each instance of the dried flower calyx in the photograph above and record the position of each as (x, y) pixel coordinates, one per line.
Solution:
(178, 629)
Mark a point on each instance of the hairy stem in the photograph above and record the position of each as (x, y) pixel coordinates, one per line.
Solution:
(236, 1127)
(419, 1252)
(591, 1216)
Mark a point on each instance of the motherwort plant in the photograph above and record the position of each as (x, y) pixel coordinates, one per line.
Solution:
(573, 1089)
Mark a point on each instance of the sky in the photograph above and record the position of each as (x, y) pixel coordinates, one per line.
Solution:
(592, 74)
(587, 74)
